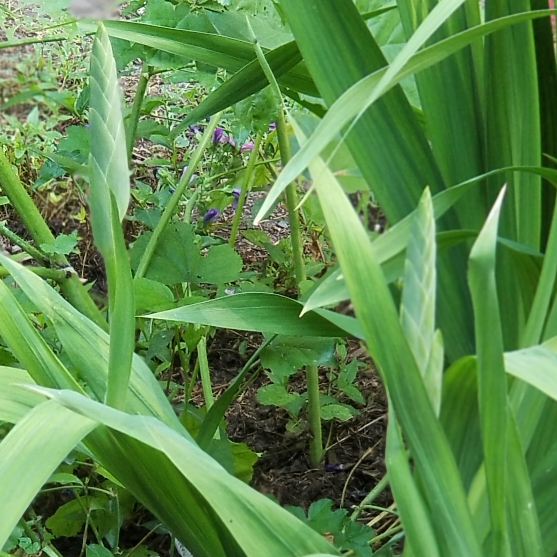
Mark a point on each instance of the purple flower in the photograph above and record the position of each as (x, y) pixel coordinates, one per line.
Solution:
(211, 215)
(272, 126)
(248, 146)
(231, 141)
(236, 193)
(217, 136)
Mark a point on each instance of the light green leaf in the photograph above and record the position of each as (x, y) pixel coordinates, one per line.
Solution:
(260, 311)
(29, 455)
(492, 381)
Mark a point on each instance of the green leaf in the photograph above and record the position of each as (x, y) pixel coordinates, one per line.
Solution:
(286, 355)
(176, 257)
(86, 344)
(338, 411)
(275, 395)
(220, 265)
(15, 400)
(492, 381)
(206, 508)
(150, 295)
(351, 103)
(214, 50)
(63, 245)
(249, 80)
(414, 512)
(26, 465)
(263, 312)
(68, 520)
(96, 550)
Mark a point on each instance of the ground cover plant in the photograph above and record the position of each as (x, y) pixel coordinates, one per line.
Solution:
(442, 113)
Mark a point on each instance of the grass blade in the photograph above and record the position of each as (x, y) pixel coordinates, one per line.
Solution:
(492, 381)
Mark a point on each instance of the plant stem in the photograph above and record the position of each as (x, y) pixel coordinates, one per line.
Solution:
(40, 232)
(285, 156)
(176, 196)
(371, 496)
(23, 244)
(206, 377)
(314, 416)
(291, 203)
(312, 373)
(57, 275)
(133, 119)
(246, 185)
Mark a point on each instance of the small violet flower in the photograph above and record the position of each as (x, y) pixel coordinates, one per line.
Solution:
(210, 215)
(218, 136)
(272, 126)
(248, 146)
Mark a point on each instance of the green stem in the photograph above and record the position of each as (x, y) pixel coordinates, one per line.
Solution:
(23, 244)
(133, 119)
(285, 156)
(314, 416)
(206, 377)
(57, 275)
(246, 185)
(215, 416)
(312, 375)
(291, 203)
(205, 373)
(40, 232)
(176, 196)
(371, 496)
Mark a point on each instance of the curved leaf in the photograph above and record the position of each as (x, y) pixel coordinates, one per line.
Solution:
(263, 312)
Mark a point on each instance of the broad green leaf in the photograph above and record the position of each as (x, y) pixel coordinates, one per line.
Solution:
(26, 343)
(150, 295)
(236, 518)
(492, 381)
(287, 355)
(30, 453)
(15, 400)
(177, 258)
(86, 344)
(215, 50)
(260, 311)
